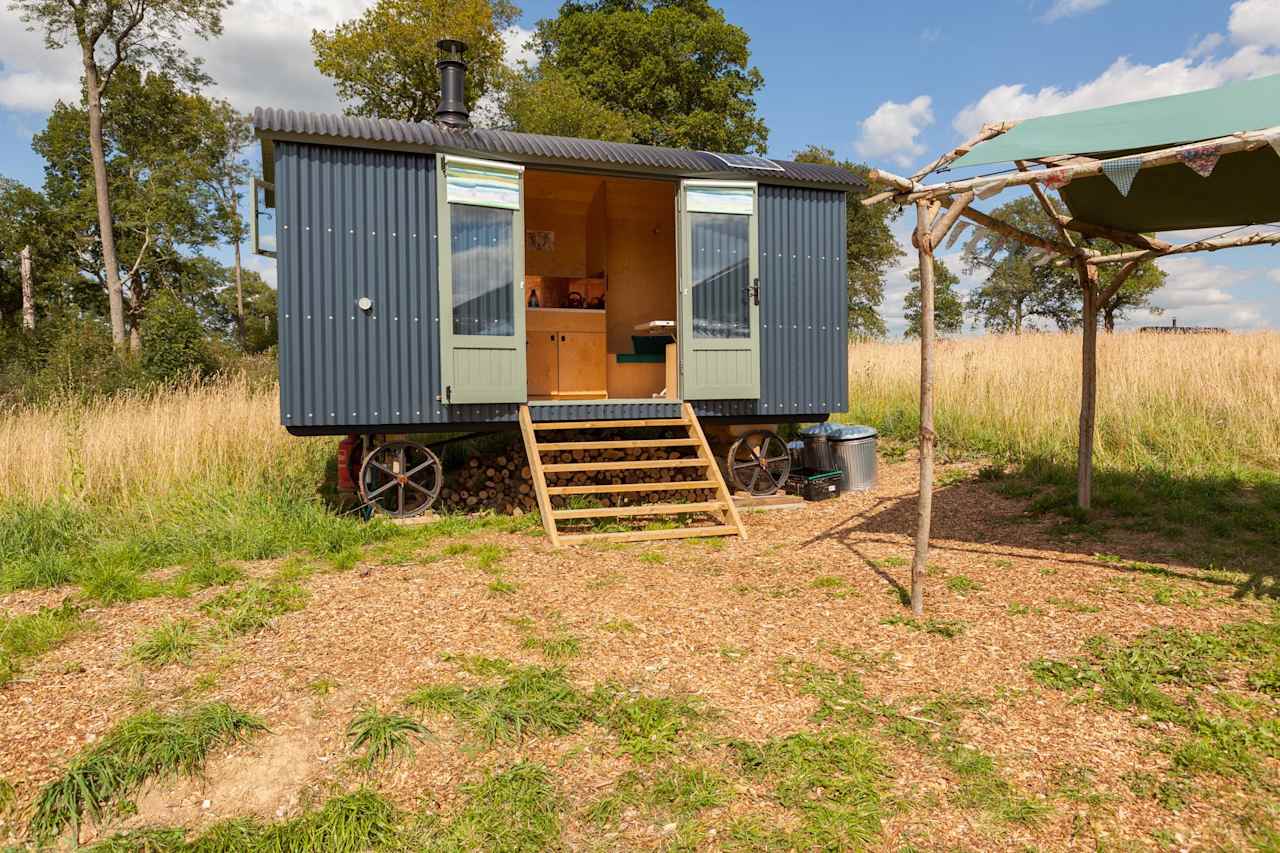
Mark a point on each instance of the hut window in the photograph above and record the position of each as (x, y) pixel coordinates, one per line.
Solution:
(483, 270)
(721, 260)
(484, 206)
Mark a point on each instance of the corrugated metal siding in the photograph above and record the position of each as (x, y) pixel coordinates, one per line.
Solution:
(588, 411)
(505, 143)
(362, 222)
(803, 299)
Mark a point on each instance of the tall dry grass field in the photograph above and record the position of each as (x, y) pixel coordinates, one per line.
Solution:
(141, 446)
(1194, 403)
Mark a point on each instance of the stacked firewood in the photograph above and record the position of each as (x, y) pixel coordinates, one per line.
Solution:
(502, 481)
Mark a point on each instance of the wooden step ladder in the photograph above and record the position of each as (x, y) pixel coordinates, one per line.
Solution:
(722, 506)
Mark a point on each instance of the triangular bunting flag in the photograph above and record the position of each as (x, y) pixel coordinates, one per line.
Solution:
(1057, 180)
(988, 189)
(1274, 138)
(956, 231)
(1122, 172)
(1200, 159)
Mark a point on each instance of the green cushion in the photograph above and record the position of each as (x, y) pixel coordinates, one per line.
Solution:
(642, 358)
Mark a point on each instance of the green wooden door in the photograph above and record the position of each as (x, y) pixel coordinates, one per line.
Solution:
(719, 291)
(482, 345)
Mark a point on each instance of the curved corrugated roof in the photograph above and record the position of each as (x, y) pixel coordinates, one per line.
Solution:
(620, 155)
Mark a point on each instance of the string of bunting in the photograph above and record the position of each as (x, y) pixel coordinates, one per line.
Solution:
(956, 231)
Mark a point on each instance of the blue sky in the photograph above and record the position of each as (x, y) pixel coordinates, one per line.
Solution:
(892, 84)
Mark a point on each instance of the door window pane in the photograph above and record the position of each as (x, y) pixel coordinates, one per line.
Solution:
(721, 247)
(483, 270)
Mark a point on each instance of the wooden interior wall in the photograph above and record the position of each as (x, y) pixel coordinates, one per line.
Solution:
(641, 259)
(558, 202)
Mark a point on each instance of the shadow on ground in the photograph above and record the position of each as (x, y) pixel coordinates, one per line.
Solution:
(1197, 525)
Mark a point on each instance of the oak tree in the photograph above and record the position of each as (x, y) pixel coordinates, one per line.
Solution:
(948, 307)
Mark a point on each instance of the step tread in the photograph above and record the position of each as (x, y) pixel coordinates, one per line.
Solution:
(644, 422)
(631, 465)
(649, 535)
(630, 487)
(640, 509)
(621, 444)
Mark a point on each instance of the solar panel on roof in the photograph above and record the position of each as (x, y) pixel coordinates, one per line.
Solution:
(746, 161)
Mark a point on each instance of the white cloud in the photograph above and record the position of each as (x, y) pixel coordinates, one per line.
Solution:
(263, 57)
(1199, 292)
(515, 40)
(1255, 29)
(1255, 22)
(892, 130)
(1067, 8)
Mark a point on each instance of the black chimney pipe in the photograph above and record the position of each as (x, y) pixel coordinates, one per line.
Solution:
(452, 110)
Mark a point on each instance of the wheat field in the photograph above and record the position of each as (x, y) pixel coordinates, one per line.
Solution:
(1199, 403)
(1196, 403)
(223, 433)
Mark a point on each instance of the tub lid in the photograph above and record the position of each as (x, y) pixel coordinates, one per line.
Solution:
(840, 432)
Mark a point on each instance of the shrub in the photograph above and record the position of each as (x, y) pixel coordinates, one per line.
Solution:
(174, 346)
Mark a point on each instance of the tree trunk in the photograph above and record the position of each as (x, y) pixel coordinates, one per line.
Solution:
(107, 235)
(1088, 383)
(925, 506)
(28, 297)
(239, 296)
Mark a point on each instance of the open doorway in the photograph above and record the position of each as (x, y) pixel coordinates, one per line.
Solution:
(600, 287)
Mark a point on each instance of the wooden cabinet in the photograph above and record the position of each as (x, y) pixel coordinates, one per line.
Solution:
(567, 353)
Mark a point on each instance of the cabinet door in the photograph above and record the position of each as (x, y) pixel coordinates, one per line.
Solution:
(543, 349)
(582, 363)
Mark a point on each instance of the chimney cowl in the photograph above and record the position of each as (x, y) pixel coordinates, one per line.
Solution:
(452, 109)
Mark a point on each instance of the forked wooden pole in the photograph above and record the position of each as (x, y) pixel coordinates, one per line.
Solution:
(924, 516)
(1088, 384)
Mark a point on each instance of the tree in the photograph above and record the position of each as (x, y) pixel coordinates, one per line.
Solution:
(1016, 289)
(230, 133)
(948, 307)
(1136, 290)
(553, 104)
(112, 34)
(675, 70)
(870, 249)
(161, 149)
(383, 63)
(26, 222)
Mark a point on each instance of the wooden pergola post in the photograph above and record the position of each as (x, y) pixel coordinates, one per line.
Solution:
(1088, 382)
(924, 242)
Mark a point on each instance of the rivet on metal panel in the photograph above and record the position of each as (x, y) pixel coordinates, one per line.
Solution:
(286, 316)
(286, 227)
(287, 416)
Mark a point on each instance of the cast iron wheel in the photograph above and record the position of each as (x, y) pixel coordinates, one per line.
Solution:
(401, 479)
(759, 462)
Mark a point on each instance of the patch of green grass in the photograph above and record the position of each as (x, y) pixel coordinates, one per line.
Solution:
(321, 686)
(498, 586)
(173, 642)
(349, 823)
(674, 791)
(488, 556)
(557, 647)
(949, 628)
(729, 652)
(529, 700)
(893, 561)
(24, 638)
(1017, 609)
(828, 582)
(207, 572)
(345, 560)
(110, 554)
(383, 737)
(962, 584)
(137, 750)
(514, 811)
(841, 696)
(1170, 594)
(619, 626)
(485, 667)
(833, 780)
(1171, 793)
(252, 607)
(1141, 674)
(646, 727)
(8, 798)
(978, 782)
(656, 557)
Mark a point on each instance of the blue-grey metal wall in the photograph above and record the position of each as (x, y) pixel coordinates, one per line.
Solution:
(362, 222)
(804, 350)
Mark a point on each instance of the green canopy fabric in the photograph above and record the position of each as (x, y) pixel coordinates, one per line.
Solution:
(1244, 188)
(1155, 123)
